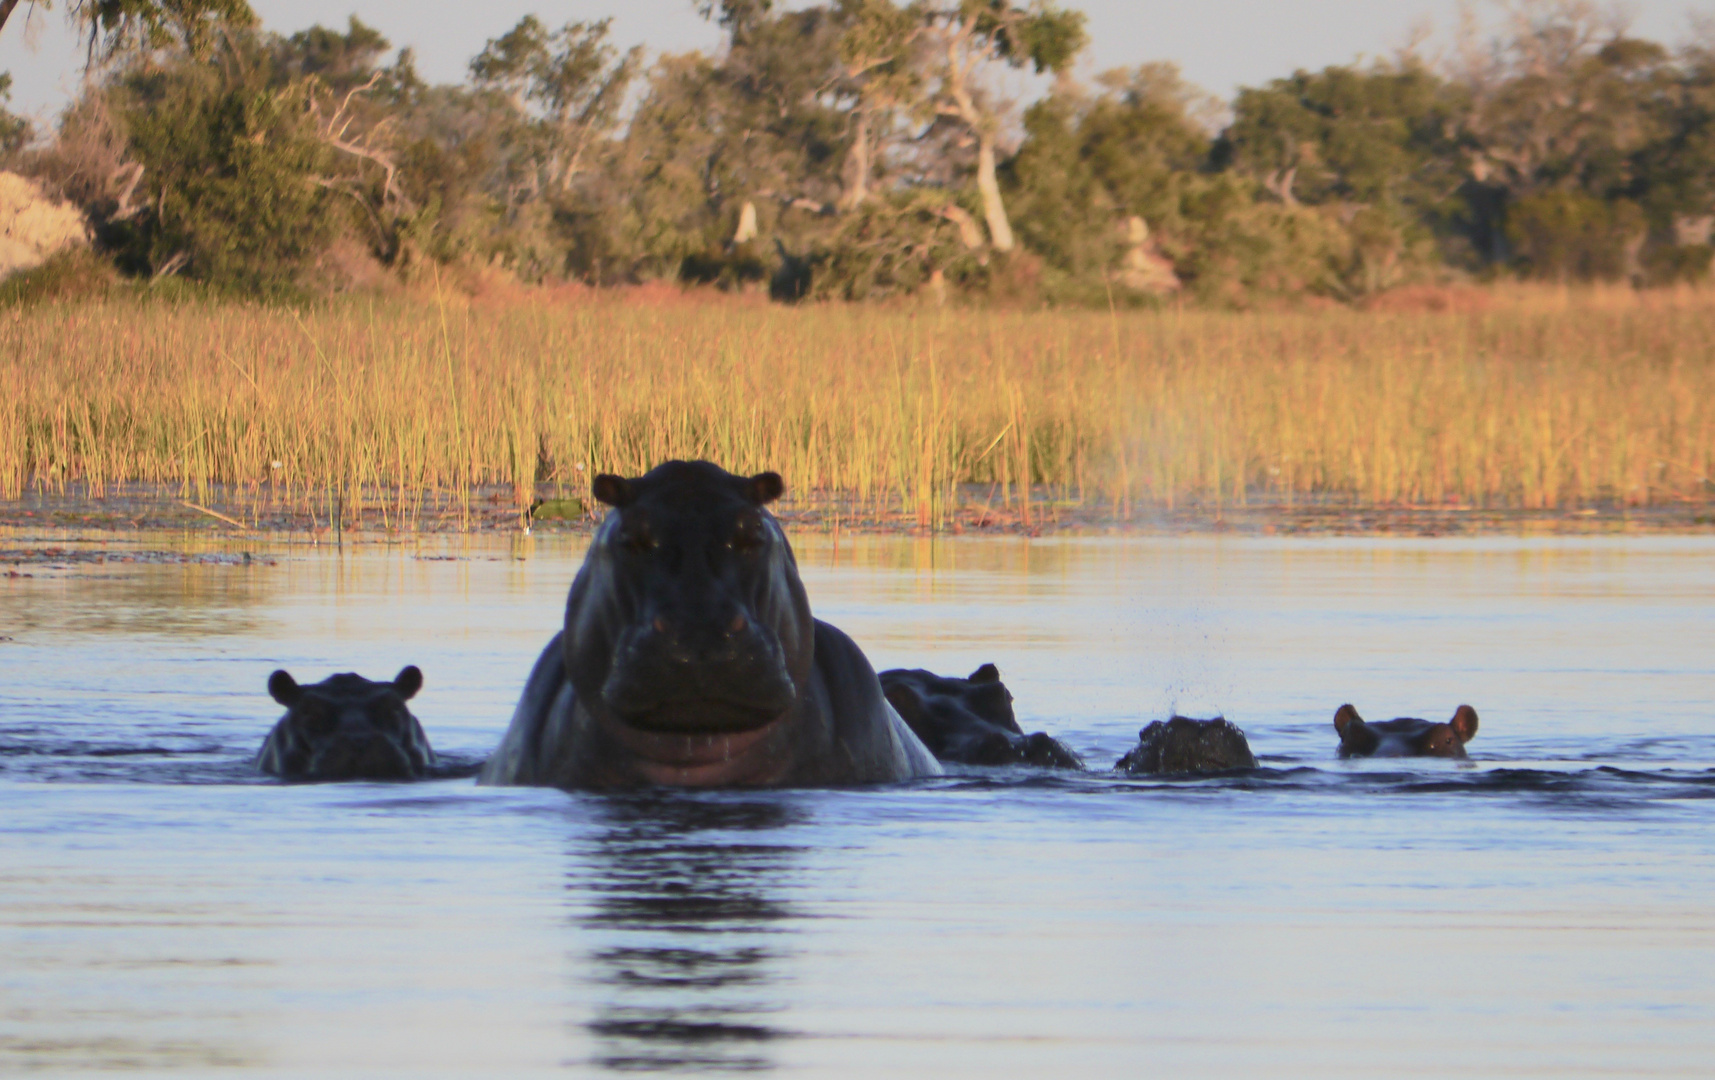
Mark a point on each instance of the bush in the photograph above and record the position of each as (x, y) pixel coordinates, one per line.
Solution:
(230, 171)
(890, 247)
(69, 275)
(1671, 264)
(1568, 235)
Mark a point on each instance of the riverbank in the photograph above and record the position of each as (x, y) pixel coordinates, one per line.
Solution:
(131, 508)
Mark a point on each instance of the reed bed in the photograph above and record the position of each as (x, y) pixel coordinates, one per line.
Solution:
(1544, 399)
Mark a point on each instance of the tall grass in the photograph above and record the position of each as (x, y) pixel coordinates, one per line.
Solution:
(1544, 399)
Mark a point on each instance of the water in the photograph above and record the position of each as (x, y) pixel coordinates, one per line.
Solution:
(1548, 909)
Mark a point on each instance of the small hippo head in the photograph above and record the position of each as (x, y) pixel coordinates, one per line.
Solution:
(1405, 736)
(970, 721)
(346, 728)
(980, 696)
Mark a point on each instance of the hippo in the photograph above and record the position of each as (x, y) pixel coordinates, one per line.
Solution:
(346, 727)
(1182, 746)
(969, 721)
(689, 658)
(1406, 736)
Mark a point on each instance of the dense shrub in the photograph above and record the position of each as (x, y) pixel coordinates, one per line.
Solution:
(1568, 235)
(231, 168)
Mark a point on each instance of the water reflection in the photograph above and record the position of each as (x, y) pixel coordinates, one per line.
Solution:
(688, 907)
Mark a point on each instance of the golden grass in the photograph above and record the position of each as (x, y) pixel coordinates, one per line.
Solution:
(1541, 398)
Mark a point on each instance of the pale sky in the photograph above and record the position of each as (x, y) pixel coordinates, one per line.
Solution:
(1220, 44)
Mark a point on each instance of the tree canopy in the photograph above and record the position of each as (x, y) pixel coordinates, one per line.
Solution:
(867, 149)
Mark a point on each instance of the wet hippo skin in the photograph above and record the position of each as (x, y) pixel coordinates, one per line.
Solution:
(689, 657)
(969, 721)
(346, 727)
(1182, 746)
(1406, 736)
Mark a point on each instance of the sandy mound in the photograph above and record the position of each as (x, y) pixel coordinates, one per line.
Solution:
(33, 226)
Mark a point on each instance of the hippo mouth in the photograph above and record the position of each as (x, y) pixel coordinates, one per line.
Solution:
(702, 717)
(377, 759)
(703, 757)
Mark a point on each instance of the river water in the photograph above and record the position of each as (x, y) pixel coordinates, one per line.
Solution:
(1546, 909)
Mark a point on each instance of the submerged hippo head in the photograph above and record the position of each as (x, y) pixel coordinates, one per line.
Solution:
(688, 633)
(1182, 746)
(1406, 736)
(346, 728)
(970, 721)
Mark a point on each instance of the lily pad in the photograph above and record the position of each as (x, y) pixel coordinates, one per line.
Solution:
(558, 510)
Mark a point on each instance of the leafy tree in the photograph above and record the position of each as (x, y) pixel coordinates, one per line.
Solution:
(1383, 136)
(115, 27)
(15, 130)
(340, 61)
(229, 168)
(567, 85)
(762, 126)
(876, 45)
(1088, 163)
(1674, 175)
(963, 37)
(1564, 102)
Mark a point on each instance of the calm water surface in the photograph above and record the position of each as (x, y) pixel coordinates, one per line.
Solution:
(1546, 910)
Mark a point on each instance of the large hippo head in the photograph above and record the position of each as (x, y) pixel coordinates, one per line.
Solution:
(346, 727)
(688, 635)
(1406, 736)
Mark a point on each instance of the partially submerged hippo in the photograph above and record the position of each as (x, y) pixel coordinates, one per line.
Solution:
(1182, 746)
(689, 656)
(346, 728)
(1406, 736)
(970, 721)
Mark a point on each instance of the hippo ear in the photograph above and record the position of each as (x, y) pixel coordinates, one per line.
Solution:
(765, 487)
(408, 681)
(1344, 717)
(1464, 723)
(986, 673)
(615, 491)
(284, 689)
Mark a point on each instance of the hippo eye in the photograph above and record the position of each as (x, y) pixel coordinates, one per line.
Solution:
(746, 536)
(638, 540)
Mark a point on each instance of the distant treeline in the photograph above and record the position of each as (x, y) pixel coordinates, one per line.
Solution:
(860, 149)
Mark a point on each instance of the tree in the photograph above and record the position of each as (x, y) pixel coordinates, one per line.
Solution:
(569, 84)
(229, 163)
(875, 55)
(1375, 136)
(1674, 174)
(1089, 163)
(1564, 102)
(341, 61)
(15, 130)
(116, 26)
(964, 36)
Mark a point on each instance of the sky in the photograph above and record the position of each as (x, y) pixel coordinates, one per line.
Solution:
(1219, 44)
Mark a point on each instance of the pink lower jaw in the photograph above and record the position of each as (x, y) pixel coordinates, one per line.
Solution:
(701, 760)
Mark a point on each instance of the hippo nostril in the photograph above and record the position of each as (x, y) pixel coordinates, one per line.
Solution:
(739, 622)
